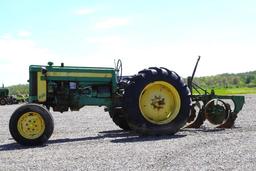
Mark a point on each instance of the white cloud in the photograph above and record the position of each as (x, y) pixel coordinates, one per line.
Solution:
(16, 55)
(112, 22)
(216, 58)
(24, 33)
(6, 36)
(106, 40)
(84, 11)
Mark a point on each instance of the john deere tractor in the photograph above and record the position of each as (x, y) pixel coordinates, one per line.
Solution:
(155, 101)
(5, 98)
(4, 92)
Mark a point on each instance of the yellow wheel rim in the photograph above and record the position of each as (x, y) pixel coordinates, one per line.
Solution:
(159, 102)
(31, 125)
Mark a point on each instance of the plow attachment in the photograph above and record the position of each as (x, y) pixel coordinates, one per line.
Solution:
(220, 111)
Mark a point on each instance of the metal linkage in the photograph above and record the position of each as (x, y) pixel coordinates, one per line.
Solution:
(211, 107)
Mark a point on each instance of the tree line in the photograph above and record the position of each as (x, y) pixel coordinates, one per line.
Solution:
(247, 79)
(20, 89)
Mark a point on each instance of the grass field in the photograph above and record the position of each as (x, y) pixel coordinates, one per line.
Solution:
(227, 91)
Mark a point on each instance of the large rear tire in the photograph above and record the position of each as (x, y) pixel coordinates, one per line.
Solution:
(117, 113)
(156, 102)
(119, 118)
(31, 124)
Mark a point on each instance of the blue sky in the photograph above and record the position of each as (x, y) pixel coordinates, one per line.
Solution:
(142, 33)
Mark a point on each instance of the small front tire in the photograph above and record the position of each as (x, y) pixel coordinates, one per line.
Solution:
(3, 101)
(31, 125)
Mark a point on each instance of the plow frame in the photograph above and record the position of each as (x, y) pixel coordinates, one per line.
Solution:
(202, 100)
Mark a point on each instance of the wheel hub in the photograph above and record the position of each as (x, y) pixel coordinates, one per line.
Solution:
(159, 102)
(31, 125)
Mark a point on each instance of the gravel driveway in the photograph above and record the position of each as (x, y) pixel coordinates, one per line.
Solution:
(88, 140)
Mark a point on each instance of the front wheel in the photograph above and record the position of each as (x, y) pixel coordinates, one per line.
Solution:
(31, 124)
(3, 101)
(156, 102)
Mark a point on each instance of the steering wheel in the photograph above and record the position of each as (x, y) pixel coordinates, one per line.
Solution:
(119, 69)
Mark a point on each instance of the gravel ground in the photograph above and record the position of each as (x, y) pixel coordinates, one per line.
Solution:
(88, 140)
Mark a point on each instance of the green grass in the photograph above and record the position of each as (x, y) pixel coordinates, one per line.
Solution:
(242, 90)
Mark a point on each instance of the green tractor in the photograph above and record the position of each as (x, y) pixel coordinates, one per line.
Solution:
(5, 98)
(156, 101)
(4, 92)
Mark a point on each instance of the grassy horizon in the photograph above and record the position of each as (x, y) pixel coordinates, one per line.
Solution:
(234, 91)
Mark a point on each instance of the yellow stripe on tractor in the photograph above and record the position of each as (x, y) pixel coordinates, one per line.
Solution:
(41, 88)
(79, 74)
